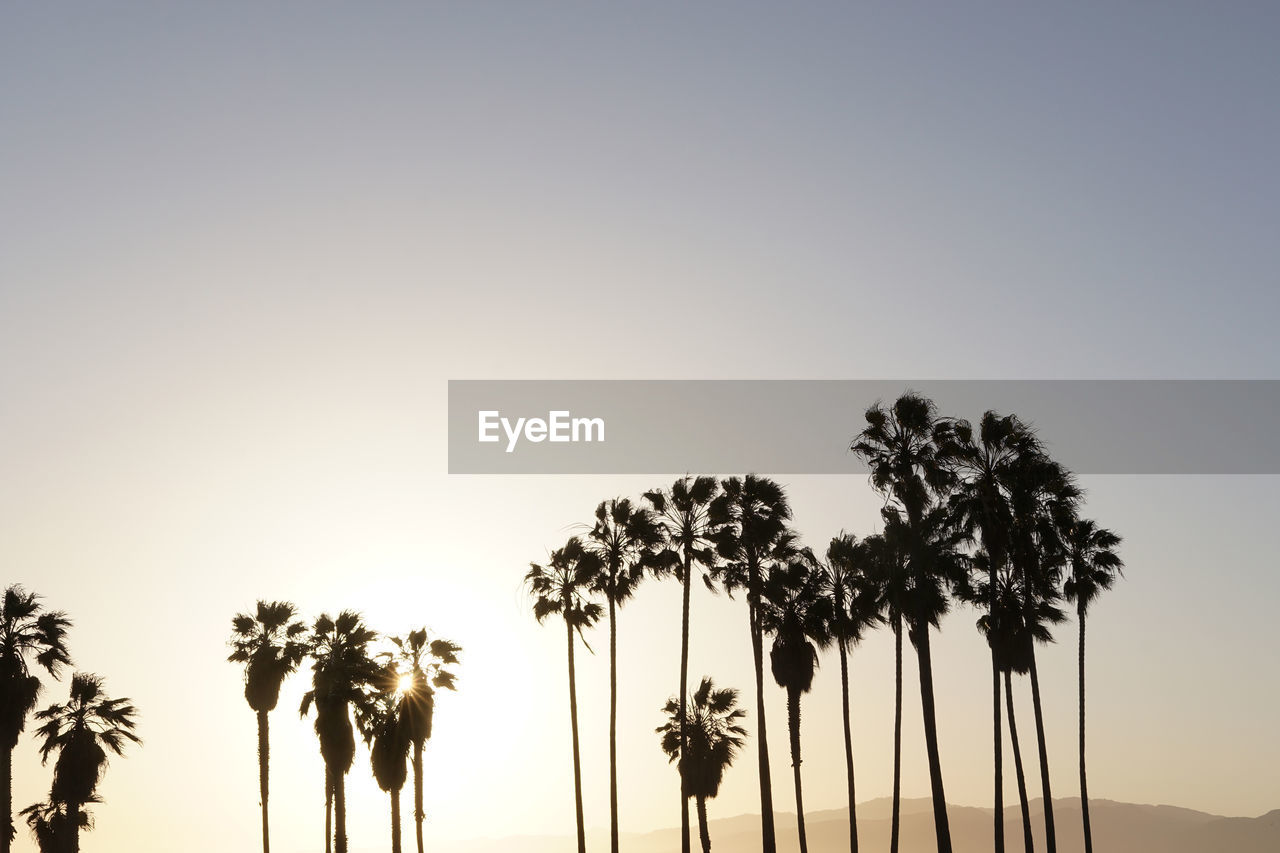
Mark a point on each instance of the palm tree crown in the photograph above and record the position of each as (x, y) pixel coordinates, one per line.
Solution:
(271, 643)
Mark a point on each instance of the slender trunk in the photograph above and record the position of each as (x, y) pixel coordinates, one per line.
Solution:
(1050, 836)
(1027, 841)
(897, 731)
(997, 742)
(793, 726)
(941, 827)
(848, 748)
(339, 813)
(613, 728)
(768, 840)
(264, 760)
(395, 821)
(577, 761)
(1084, 785)
(6, 807)
(418, 813)
(73, 813)
(684, 687)
(702, 825)
(328, 810)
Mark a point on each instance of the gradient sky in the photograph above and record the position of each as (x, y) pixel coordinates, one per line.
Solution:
(245, 246)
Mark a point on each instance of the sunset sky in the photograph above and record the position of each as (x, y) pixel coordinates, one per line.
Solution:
(246, 246)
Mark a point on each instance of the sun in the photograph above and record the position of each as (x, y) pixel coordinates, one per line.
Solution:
(405, 684)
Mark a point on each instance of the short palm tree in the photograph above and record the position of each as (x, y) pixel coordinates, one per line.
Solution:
(271, 644)
(713, 735)
(684, 511)
(30, 637)
(794, 611)
(385, 731)
(82, 731)
(1094, 567)
(847, 584)
(624, 538)
(342, 674)
(562, 588)
(424, 663)
(50, 824)
(750, 517)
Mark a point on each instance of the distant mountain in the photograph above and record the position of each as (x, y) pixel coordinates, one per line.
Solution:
(1117, 827)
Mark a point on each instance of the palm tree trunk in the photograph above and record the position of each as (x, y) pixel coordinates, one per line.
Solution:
(339, 813)
(848, 748)
(684, 687)
(941, 827)
(264, 758)
(1028, 842)
(395, 821)
(1050, 836)
(703, 834)
(418, 813)
(897, 731)
(793, 725)
(6, 807)
(73, 814)
(997, 750)
(328, 811)
(1084, 785)
(767, 837)
(577, 761)
(613, 728)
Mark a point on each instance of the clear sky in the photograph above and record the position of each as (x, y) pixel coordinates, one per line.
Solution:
(245, 246)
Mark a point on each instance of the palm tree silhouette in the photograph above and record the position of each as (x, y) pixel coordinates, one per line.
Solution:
(342, 673)
(625, 539)
(424, 663)
(684, 511)
(50, 824)
(270, 643)
(750, 516)
(561, 587)
(29, 635)
(853, 601)
(795, 612)
(901, 445)
(385, 730)
(984, 463)
(713, 736)
(82, 731)
(1091, 555)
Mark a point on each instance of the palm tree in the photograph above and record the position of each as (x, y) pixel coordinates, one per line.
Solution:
(385, 730)
(82, 731)
(983, 463)
(901, 445)
(713, 736)
(684, 511)
(624, 538)
(795, 612)
(29, 635)
(853, 600)
(561, 587)
(342, 673)
(424, 663)
(750, 516)
(1091, 554)
(270, 644)
(50, 824)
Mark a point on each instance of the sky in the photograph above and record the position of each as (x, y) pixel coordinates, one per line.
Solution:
(247, 245)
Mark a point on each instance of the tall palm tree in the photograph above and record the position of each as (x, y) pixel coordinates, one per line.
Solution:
(900, 444)
(684, 511)
(794, 611)
(984, 462)
(423, 662)
(853, 601)
(50, 824)
(386, 732)
(562, 588)
(625, 539)
(713, 736)
(1095, 565)
(342, 673)
(271, 644)
(82, 731)
(750, 516)
(30, 636)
